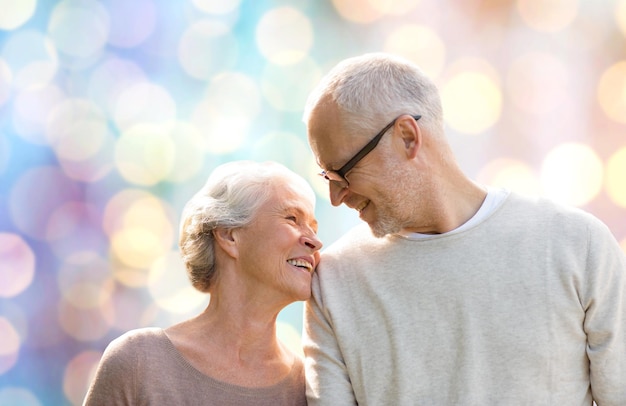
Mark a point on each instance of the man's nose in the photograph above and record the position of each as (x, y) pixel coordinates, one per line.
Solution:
(337, 192)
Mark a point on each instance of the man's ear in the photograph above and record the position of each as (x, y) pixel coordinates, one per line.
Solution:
(226, 240)
(410, 135)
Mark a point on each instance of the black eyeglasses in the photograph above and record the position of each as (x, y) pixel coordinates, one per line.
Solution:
(339, 175)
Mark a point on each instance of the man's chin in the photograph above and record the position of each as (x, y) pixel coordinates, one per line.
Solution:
(380, 223)
(380, 230)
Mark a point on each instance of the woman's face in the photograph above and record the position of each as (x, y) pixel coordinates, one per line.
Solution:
(279, 249)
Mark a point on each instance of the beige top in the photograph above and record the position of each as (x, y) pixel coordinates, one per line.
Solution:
(142, 367)
(527, 306)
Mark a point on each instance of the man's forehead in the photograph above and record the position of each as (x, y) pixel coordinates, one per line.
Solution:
(324, 117)
(325, 135)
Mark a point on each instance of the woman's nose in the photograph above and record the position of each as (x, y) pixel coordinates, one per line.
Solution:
(312, 242)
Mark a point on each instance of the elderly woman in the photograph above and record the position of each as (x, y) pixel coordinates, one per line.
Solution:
(248, 238)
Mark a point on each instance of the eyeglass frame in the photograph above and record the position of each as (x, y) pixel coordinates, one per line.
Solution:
(341, 172)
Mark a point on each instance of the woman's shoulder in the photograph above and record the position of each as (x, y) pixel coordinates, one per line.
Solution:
(137, 341)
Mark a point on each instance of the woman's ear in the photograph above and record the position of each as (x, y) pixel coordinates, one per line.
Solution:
(225, 239)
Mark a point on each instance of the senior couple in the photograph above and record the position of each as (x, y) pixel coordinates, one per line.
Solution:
(450, 293)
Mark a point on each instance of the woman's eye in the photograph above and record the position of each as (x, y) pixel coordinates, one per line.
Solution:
(292, 218)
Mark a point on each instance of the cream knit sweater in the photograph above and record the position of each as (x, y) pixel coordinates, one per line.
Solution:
(527, 307)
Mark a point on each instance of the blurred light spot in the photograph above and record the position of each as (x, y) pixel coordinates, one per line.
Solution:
(615, 177)
(170, 287)
(136, 246)
(116, 208)
(286, 148)
(143, 235)
(620, 15)
(44, 189)
(87, 18)
(32, 57)
(623, 245)
(6, 78)
(471, 98)
(510, 174)
(612, 92)
(12, 395)
(420, 45)
(538, 82)
(85, 280)
(128, 276)
(189, 148)
(289, 336)
(150, 213)
(357, 11)
(17, 265)
(572, 174)
(284, 35)
(224, 116)
(131, 21)
(85, 323)
(69, 218)
(548, 15)
(144, 154)
(18, 316)
(32, 107)
(85, 311)
(216, 7)
(144, 103)
(95, 167)
(76, 129)
(15, 13)
(287, 87)
(207, 48)
(320, 187)
(591, 31)
(78, 375)
(394, 7)
(9, 345)
(5, 153)
(110, 79)
(132, 306)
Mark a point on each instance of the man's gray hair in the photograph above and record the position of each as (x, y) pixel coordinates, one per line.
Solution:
(373, 89)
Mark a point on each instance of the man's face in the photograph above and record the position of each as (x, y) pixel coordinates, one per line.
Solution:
(377, 183)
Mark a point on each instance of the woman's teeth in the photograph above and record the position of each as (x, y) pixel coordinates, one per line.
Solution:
(300, 263)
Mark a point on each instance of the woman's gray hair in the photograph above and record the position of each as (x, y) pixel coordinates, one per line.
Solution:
(372, 89)
(230, 199)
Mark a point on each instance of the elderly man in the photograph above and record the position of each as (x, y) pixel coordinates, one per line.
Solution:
(461, 294)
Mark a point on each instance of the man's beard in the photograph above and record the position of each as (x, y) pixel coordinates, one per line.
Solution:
(385, 224)
(394, 215)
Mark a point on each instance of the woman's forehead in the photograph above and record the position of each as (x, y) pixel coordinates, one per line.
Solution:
(291, 197)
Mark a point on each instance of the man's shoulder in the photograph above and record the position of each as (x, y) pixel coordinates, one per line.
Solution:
(545, 209)
(353, 240)
(350, 252)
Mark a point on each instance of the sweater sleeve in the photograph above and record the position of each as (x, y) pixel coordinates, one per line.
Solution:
(115, 380)
(327, 378)
(604, 300)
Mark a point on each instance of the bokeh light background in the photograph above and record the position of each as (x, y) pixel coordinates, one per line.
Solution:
(113, 113)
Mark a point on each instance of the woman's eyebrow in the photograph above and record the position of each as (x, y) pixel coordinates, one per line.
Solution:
(290, 208)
